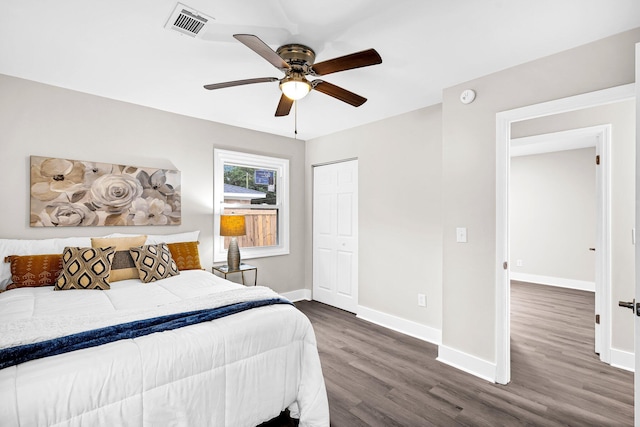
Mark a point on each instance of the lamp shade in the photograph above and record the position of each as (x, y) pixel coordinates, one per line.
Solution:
(232, 225)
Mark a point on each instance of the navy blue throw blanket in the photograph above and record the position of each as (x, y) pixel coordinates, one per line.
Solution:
(23, 353)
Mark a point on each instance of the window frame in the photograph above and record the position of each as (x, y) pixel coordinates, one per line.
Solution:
(238, 158)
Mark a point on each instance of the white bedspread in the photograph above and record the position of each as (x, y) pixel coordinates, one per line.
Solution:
(239, 370)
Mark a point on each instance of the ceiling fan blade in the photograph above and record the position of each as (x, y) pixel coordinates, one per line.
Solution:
(284, 106)
(347, 62)
(241, 82)
(262, 49)
(338, 93)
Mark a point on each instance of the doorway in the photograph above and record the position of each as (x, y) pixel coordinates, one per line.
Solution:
(559, 207)
(504, 121)
(335, 234)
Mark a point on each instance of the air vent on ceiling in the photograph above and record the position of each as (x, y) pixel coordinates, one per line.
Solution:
(187, 20)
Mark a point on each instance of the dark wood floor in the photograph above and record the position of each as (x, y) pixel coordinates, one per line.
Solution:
(377, 377)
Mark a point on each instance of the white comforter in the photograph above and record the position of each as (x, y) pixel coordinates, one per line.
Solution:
(239, 370)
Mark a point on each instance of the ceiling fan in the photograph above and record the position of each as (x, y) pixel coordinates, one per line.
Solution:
(296, 61)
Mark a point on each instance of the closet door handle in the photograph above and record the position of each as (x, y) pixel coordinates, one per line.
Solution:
(592, 249)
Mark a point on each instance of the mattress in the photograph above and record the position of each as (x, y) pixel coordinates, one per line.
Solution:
(237, 370)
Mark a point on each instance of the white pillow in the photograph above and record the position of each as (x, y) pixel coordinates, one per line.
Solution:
(189, 236)
(154, 239)
(33, 247)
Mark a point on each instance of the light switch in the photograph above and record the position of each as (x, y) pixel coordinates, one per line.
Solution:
(461, 235)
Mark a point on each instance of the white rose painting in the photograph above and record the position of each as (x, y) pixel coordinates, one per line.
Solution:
(74, 193)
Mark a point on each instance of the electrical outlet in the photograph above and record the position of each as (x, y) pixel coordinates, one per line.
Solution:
(422, 300)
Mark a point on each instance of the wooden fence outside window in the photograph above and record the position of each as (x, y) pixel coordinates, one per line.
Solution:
(261, 226)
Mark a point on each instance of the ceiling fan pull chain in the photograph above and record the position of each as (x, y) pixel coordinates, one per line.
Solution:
(295, 118)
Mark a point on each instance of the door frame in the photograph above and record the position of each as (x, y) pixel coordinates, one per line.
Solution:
(636, 377)
(503, 137)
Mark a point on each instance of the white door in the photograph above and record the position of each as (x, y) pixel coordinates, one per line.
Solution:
(335, 234)
(637, 322)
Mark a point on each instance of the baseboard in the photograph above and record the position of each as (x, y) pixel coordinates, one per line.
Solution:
(297, 295)
(623, 359)
(467, 363)
(553, 281)
(398, 324)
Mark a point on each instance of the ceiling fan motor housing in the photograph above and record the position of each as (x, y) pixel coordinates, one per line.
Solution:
(298, 56)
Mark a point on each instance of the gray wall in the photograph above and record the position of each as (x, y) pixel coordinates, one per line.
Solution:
(400, 241)
(552, 214)
(37, 119)
(469, 173)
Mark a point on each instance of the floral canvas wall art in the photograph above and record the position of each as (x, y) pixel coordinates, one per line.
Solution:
(70, 193)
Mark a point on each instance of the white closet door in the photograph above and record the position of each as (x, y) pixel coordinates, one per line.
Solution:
(335, 234)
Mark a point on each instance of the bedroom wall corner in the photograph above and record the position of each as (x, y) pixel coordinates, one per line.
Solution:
(400, 239)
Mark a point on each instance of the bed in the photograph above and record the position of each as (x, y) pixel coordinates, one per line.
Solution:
(246, 356)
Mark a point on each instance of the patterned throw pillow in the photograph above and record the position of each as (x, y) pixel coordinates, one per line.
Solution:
(85, 268)
(123, 266)
(186, 255)
(34, 270)
(154, 262)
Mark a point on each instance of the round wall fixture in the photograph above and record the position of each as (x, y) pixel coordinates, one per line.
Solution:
(467, 96)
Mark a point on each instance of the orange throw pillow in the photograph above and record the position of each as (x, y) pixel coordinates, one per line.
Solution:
(34, 270)
(186, 255)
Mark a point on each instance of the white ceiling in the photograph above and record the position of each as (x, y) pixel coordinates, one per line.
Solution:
(120, 49)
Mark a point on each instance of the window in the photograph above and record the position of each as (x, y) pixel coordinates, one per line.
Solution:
(258, 188)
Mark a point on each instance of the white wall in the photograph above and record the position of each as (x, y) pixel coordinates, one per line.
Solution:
(37, 119)
(400, 241)
(469, 174)
(552, 208)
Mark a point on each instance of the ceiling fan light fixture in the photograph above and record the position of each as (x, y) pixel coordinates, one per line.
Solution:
(295, 87)
(297, 61)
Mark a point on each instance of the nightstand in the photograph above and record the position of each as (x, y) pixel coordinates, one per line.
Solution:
(224, 270)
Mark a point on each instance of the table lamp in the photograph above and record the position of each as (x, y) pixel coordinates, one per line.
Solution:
(233, 226)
